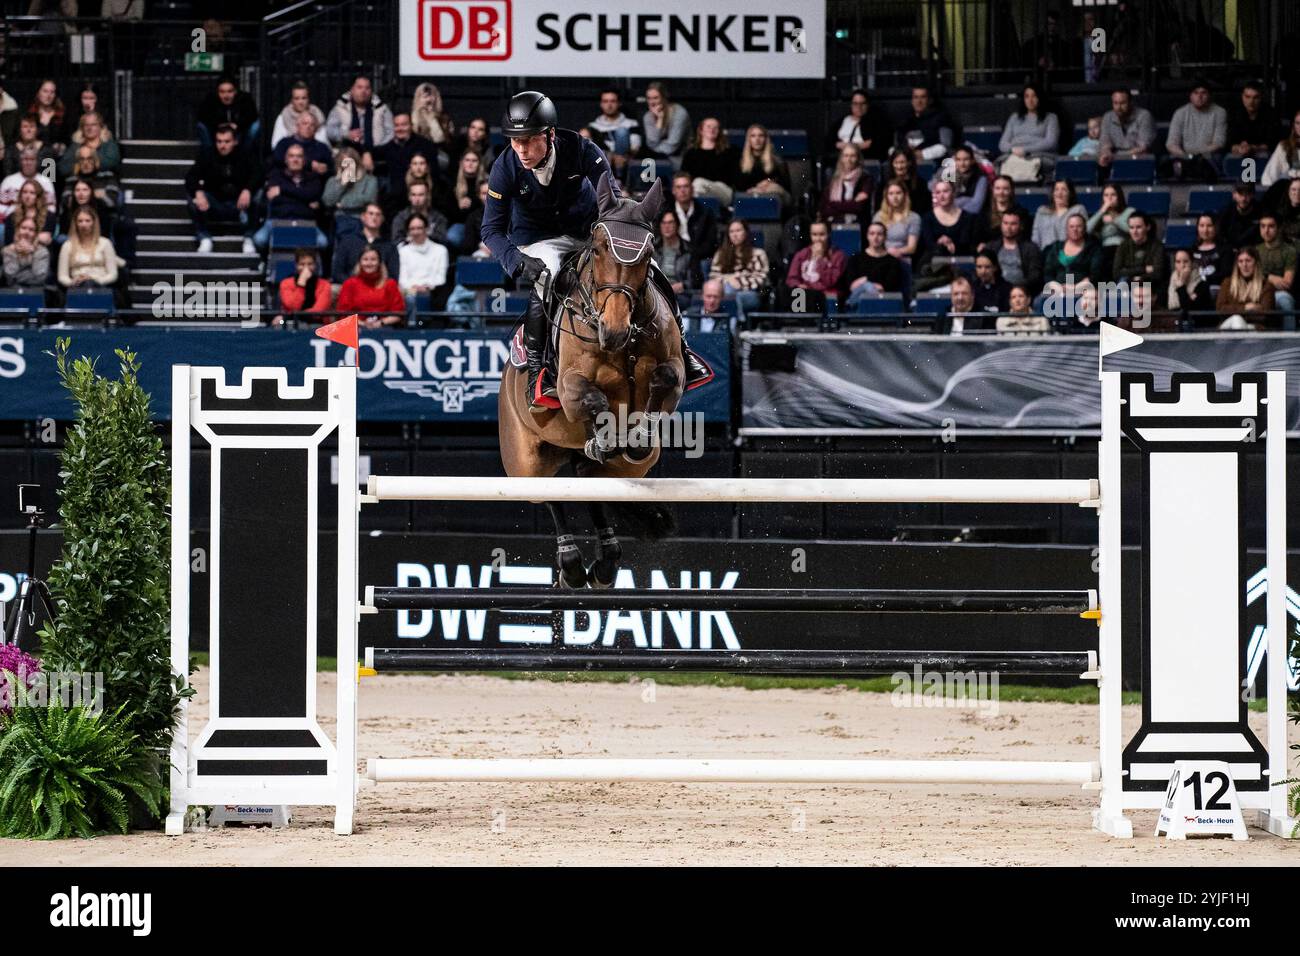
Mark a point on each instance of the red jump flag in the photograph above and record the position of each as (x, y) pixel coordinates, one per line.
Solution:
(344, 332)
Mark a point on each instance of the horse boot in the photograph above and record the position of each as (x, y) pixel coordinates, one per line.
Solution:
(697, 372)
(535, 323)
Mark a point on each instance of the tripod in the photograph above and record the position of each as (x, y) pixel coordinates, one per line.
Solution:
(20, 628)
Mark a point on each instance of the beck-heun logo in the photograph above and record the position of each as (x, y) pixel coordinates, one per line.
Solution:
(464, 29)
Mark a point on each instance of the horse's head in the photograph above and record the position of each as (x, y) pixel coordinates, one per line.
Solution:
(621, 244)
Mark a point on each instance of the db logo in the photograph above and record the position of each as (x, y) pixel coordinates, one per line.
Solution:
(464, 29)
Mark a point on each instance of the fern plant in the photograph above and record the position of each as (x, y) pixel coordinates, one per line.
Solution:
(70, 771)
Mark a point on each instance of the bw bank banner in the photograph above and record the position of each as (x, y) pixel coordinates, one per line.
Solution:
(432, 375)
(659, 38)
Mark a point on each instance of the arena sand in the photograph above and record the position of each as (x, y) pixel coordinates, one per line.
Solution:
(675, 824)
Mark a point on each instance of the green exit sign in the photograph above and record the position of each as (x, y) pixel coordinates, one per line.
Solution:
(204, 62)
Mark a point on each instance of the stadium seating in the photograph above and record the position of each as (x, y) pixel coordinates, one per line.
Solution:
(90, 300)
(931, 303)
(984, 138)
(479, 273)
(1081, 172)
(757, 208)
(1180, 235)
(1152, 200)
(1133, 170)
(848, 239)
(25, 301)
(1090, 198)
(1031, 199)
(1212, 200)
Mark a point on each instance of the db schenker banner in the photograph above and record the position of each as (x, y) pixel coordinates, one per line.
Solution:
(653, 38)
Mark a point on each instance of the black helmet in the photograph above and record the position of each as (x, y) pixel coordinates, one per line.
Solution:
(527, 114)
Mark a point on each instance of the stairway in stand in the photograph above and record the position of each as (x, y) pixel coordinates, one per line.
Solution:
(153, 173)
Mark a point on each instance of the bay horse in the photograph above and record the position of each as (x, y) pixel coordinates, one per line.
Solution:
(619, 351)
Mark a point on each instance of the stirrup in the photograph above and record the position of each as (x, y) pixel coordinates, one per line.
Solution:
(541, 396)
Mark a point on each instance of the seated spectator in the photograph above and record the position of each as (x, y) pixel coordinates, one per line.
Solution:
(846, 200)
(947, 229)
(470, 174)
(818, 265)
(360, 118)
(10, 185)
(1252, 126)
(27, 140)
(31, 206)
(1288, 212)
(711, 162)
(347, 252)
(228, 105)
(970, 183)
(320, 158)
(475, 139)
(760, 172)
(962, 313)
(1213, 259)
(666, 125)
(1019, 301)
(47, 110)
(423, 265)
(473, 238)
(392, 161)
(418, 203)
(1198, 135)
(902, 225)
(696, 223)
(618, 135)
(26, 260)
(992, 292)
(871, 272)
(1019, 260)
(675, 256)
(1188, 290)
(86, 166)
(1030, 140)
(929, 132)
(9, 114)
(1277, 262)
(300, 104)
(1109, 224)
(89, 103)
(741, 267)
(87, 260)
(349, 192)
(1245, 291)
(305, 291)
(81, 192)
(221, 185)
(1141, 256)
(1285, 161)
(421, 173)
(1002, 198)
(1049, 221)
(92, 140)
(292, 192)
(430, 121)
(1239, 222)
(902, 166)
(370, 290)
(1075, 260)
(1128, 131)
(1088, 146)
(865, 129)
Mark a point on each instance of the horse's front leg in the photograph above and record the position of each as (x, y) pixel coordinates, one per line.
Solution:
(568, 556)
(584, 403)
(664, 394)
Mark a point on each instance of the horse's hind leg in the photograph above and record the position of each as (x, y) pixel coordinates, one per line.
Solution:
(608, 551)
(568, 556)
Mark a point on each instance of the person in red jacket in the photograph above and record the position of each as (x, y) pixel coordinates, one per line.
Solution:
(304, 291)
(369, 289)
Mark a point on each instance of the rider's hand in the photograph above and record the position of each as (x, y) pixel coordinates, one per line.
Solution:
(531, 268)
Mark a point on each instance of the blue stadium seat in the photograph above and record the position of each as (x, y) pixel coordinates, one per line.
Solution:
(1133, 170)
(963, 264)
(1153, 202)
(293, 237)
(848, 239)
(30, 301)
(926, 171)
(90, 300)
(757, 208)
(790, 143)
(887, 303)
(1090, 198)
(1208, 200)
(757, 239)
(1031, 201)
(279, 266)
(927, 303)
(710, 202)
(736, 137)
(479, 273)
(985, 138)
(1232, 166)
(1180, 235)
(1081, 172)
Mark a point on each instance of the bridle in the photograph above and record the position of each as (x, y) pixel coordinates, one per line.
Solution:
(628, 252)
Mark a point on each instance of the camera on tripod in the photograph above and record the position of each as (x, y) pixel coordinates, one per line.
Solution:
(20, 625)
(29, 501)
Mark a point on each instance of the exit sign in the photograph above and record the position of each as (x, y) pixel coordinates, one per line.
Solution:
(204, 62)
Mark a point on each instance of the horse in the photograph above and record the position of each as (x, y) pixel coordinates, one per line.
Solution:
(619, 351)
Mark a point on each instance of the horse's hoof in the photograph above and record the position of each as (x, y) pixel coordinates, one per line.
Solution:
(596, 579)
(572, 578)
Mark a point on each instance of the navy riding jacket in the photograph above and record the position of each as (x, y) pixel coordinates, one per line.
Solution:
(520, 210)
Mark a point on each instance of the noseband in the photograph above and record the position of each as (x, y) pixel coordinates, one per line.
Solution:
(629, 251)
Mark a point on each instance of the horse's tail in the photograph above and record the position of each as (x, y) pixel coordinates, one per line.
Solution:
(648, 520)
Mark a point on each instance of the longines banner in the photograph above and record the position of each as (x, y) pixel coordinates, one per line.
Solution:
(433, 375)
(768, 39)
(872, 383)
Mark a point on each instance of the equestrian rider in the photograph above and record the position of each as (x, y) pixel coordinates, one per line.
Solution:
(541, 205)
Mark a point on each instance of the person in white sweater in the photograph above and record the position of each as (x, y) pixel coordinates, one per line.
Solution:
(286, 124)
(423, 264)
(666, 125)
(87, 260)
(1031, 133)
(1285, 161)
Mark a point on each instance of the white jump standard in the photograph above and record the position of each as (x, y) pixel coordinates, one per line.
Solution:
(1192, 440)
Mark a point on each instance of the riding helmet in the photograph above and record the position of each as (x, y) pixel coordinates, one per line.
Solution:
(527, 114)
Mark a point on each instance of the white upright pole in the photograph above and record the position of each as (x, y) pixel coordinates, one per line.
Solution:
(345, 382)
(1275, 818)
(180, 585)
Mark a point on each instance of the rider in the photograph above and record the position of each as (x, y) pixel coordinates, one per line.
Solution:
(541, 205)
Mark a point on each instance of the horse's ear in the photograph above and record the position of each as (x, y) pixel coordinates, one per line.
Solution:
(605, 201)
(654, 199)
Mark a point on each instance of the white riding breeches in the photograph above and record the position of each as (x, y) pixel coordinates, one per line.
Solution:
(552, 252)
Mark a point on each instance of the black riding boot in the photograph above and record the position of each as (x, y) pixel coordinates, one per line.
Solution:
(535, 345)
(696, 370)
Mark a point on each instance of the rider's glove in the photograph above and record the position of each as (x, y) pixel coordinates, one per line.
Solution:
(531, 268)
